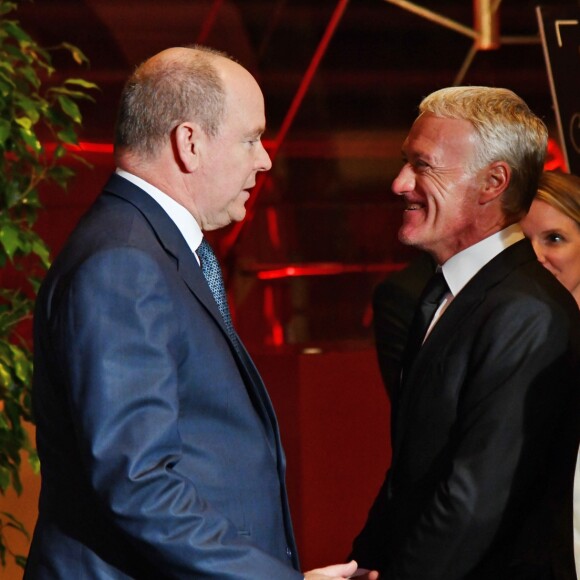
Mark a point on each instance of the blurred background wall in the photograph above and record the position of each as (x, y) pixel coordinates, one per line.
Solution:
(342, 81)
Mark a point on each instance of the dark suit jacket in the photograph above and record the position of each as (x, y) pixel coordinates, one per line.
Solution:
(485, 429)
(159, 447)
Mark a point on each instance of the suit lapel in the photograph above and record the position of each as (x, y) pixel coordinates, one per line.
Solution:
(170, 239)
(460, 309)
(174, 244)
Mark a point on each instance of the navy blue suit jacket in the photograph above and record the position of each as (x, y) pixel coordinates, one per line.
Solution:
(160, 450)
(484, 436)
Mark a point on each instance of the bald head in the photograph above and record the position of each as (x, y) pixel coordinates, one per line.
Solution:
(174, 86)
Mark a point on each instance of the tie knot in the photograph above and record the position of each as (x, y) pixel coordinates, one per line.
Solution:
(435, 289)
(205, 253)
(212, 272)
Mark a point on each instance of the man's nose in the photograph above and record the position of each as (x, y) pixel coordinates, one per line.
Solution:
(264, 162)
(405, 180)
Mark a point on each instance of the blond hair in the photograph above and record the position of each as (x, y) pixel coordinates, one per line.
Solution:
(508, 131)
(562, 192)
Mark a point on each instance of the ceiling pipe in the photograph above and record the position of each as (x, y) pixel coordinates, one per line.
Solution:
(485, 32)
(229, 240)
(434, 17)
(486, 24)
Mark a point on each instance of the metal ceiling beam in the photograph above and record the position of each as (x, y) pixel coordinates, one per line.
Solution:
(229, 240)
(485, 32)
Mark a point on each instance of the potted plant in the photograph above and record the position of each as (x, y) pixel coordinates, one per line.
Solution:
(39, 120)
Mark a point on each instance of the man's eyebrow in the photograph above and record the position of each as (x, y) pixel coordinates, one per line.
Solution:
(416, 154)
(257, 132)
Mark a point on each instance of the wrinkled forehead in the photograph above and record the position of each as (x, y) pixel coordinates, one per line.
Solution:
(433, 135)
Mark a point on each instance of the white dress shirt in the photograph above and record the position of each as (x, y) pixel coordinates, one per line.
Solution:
(178, 214)
(464, 265)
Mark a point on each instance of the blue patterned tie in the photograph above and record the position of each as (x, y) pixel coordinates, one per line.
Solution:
(213, 274)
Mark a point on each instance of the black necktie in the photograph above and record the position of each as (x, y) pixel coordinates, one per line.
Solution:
(213, 274)
(429, 301)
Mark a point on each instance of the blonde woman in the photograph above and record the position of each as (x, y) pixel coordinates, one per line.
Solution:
(553, 227)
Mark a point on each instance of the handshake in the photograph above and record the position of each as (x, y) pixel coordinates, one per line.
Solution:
(341, 571)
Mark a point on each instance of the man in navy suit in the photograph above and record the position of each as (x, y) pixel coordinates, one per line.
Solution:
(485, 416)
(160, 450)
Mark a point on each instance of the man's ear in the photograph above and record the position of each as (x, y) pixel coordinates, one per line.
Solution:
(497, 178)
(187, 145)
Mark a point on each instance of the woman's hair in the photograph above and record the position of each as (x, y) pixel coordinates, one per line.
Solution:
(561, 191)
(508, 131)
(164, 92)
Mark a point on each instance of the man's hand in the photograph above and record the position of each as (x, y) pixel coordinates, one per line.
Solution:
(365, 574)
(341, 571)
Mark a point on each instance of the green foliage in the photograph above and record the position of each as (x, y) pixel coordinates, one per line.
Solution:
(38, 131)
(9, 522)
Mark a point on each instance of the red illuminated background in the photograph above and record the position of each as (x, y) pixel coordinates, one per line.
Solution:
(342, 81)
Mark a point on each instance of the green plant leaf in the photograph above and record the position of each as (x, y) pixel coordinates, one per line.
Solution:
(4, 478)
(31, 107)
(30, 139)
(5, 127)
(14, 30)
(22, 366)
(25, 122)
(77, 54)
(71, 93)
(10, 239)
(81, 83)
(42, 251)
(31, 76)
(15, 523)
(5, 378)
(61, 174)
(59, 152)
(12, 194)
(35, 282)
(68, 135)
(7, 7)
(6, 86)
(70, 108)
(34, 461)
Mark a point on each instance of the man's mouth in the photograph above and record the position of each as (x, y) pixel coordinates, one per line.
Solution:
(414, 206)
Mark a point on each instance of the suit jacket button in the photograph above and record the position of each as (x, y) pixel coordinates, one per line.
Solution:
(288, 552)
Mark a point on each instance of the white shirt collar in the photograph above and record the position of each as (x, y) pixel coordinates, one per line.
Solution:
(179, 215)
(459, 269)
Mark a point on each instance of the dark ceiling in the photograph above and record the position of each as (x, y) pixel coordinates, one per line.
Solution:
(326, 202)
(380, 62)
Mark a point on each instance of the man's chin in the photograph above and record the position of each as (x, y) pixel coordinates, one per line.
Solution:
(238, 216)
(225, 220)
(408, 236)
